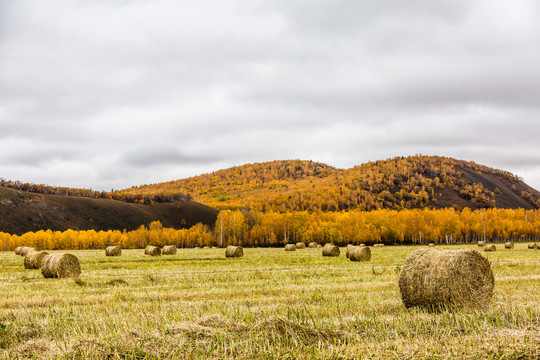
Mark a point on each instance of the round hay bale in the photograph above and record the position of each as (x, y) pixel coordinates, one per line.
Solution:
(169, 250)
(60, 266)
(360, 253)
(509, 245)
(152, 250)
(330, 250)
(300, 245)
(432, 244)
(206, 247)
(481, 243)
(490, 248)
(378, 245)
(312, 244)
(25, 250)
(34, 259)
(362, 245)
(532, 246)
(113, 251)
(234, 251)
(18, 250)
(290, 247)
(319, 245)
(446, 278)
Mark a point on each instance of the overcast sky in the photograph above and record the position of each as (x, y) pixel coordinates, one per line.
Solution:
(114, 93)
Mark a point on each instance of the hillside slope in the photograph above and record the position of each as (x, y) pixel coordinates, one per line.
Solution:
(397, 183)
(23, 211)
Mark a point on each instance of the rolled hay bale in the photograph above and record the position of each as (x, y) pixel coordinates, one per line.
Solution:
(348, 250)
(25, 250)
(509, 245)
(481, 243)
(152, 250)
(437, 279)
(234, 251)
(60, 266)
(319, 245)
(206, 247)
(432, 244)
(490, 248)
(18, 250)
(360, 253)
(312, 245)
(113, 251)
(290, 247)
(362, 245)
(34, 259)
(300, 245)
(169, 250)
(378, 245)
(532, 246)
(330, 250)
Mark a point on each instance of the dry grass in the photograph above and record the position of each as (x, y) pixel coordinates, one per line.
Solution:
(198, 305)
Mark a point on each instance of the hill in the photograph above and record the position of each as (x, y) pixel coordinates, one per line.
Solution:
(22, 211)
(397, 183)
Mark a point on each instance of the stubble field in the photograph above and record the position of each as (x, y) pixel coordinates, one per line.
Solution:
(269, 304)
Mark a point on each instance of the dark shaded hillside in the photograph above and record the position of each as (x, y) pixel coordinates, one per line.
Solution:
(23, 211)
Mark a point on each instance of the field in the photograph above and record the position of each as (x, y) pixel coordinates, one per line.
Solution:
(269, 304)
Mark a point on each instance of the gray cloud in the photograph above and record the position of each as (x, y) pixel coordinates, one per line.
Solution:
(110, 94)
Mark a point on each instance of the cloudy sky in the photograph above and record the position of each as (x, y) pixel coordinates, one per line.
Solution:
(113, 93)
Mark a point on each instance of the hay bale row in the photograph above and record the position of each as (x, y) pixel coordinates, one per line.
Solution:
(152, 250)
(312, 245)
(300, 245)
(169, 250)
(290, 247)
(436, 279)
(360, 253)
(34, 259)
(113, 251)
(23, 250)
(490, 248)
(60, 266)
(234, 251)
(509, 245)
(330, 250)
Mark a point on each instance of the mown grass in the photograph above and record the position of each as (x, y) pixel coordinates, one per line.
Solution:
(269, 304)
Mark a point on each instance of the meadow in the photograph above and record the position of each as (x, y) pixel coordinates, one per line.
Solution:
(269, 304)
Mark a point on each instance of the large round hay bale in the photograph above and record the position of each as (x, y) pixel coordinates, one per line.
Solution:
(169, 250)
(446, 278)
(481, 243)
(348, 250)
(330, 250)
(300, 245)
(360, 253)
(34, 259)
(290, 247)
(25, 250)
(234, 251)
(509, 245)
(18, 250)
(490, 248)
(60, 266)
(378, 245)
(312, 245)
(431, 244)
(113, 251)
(152, 250)
(532, 246)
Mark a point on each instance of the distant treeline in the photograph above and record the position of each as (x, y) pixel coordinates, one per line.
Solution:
(121, 195)
(252, 228)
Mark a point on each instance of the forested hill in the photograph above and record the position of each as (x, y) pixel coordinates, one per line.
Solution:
(397, 183)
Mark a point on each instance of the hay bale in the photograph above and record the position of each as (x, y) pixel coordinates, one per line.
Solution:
(234, 251)
(25, 250)
(34, 259)
(330, 250)
(532, 246)
(113, 251)
(446, 278)
(509, 245)
(432, 244)
(312, 245)
(378, 245)
(60, 266)
(290, 247)
(350, 247)
(18, 250)
(152, 250)
(319, 245)
(169, 250)
(490, 248)
(300, 245)
(481, 243)
(360, 253)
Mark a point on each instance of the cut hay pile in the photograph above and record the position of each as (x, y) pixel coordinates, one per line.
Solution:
(490, 248)
(34, 259)
(509, 245)
(152, 250)
(300, 245)
(360, 253)
(23, 250)
(312, 245)
(437, 279)
(169, 250)
(113, 251)
(330, 250)
(61, 266)
(350, 248)
(532, 246)
(290, 247)
(481, 243)
(234, 251)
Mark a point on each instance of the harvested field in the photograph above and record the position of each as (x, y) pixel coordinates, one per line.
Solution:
(271, 304)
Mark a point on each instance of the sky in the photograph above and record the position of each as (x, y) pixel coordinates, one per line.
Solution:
(109, 94)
